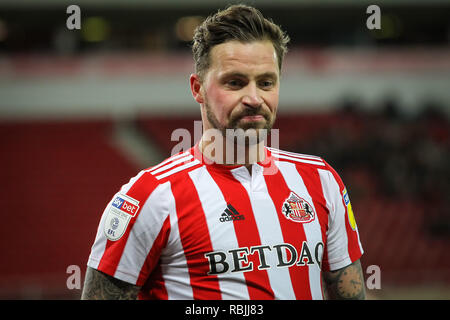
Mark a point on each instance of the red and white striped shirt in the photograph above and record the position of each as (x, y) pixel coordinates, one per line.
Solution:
(187, 229)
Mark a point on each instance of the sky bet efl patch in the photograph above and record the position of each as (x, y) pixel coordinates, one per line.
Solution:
(119, 214)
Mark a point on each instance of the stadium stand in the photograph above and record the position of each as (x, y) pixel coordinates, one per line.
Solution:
(56, 178)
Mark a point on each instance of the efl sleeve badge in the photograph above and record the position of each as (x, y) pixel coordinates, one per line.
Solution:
(119, 214)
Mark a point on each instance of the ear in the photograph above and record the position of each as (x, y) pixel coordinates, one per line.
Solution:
(196, 87)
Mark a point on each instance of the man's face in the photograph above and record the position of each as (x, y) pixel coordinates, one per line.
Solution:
(241, 87)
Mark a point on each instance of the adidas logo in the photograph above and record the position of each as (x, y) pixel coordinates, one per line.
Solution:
(230, 214)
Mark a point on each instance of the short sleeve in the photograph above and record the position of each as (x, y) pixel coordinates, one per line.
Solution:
(132, 231)
(343, 243)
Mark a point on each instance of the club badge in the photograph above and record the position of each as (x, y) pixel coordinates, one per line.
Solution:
(297, 209)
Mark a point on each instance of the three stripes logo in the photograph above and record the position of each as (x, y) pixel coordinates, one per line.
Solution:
(231, 214)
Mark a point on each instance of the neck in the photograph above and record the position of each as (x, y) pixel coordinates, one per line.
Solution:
(225, 151)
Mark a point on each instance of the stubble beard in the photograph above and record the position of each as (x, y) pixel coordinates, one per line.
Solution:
(248, 133)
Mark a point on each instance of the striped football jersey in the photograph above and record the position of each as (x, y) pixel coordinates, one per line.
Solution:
(191, 229)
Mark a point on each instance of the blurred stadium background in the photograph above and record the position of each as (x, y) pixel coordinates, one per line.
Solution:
(82, 111)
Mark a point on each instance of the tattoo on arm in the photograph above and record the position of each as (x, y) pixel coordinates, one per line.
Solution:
(100, 286)
(346, 283)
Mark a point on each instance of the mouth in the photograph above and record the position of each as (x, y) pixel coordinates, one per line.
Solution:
(252, 118)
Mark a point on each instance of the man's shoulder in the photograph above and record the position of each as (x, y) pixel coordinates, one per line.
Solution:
(299, 159)
(308, 163)
(155, 177)
(172, 166)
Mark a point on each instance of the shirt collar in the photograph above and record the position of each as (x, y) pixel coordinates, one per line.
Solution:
(195, 151)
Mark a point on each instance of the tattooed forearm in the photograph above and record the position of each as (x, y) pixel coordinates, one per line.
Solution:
(346, 283)
(99, 286)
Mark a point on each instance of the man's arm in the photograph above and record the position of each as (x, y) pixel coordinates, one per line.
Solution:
(100, 286)
(345, 284)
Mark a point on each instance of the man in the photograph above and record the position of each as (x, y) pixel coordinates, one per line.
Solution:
(230, 218)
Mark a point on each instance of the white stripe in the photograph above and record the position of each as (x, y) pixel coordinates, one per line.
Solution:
(338, 255)
(142, 235)
(293, 154)
(174, 267)
(359, 240)
(312, 229)
(99, 246)
(269, 230)
(298, 160)
(178, 169)
(222, 234)
(168, 160)
(172, 164)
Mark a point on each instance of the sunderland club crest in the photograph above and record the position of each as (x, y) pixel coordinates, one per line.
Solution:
(297, 209)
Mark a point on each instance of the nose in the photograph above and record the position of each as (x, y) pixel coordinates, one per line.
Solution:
(251, 96)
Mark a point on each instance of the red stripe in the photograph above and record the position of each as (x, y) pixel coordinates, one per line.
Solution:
(195, 239)
(293, 233)
(246, 232)
(311, 179)
(154, 288)
(354, 250)
(313, 184)
(140, 191)
(155, 283)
